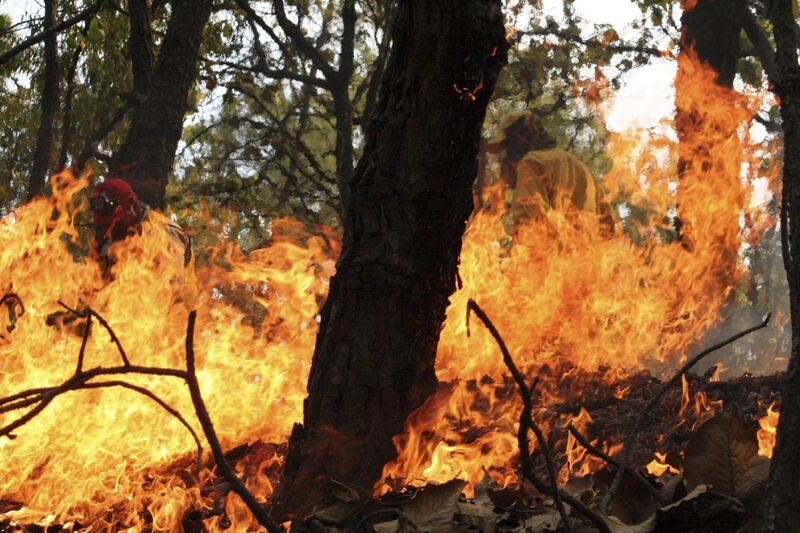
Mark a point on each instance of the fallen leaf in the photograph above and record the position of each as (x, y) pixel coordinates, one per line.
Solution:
(433, 507)
(618, 526)
(723, 454)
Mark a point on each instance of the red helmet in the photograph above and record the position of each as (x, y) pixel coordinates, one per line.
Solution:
(110, 200)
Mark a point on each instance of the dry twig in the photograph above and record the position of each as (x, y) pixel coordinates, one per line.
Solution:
(88, 312)
(597, 452)
(41, 397)
(526, 423)
(634, 435)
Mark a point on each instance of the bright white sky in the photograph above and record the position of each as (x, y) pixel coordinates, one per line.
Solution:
(647, 94)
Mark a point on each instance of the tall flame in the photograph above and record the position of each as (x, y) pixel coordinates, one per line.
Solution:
(568, 298)
(566, 291)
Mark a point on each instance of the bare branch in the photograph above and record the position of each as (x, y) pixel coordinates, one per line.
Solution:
(276, 74)
(634, 435)
(88, 312)
(254, 17)
(211, 436)
(42, 397)
(597, 452)
(595, 43)
(526, 422)
(308, 49)
(58, 28)
(159, 401)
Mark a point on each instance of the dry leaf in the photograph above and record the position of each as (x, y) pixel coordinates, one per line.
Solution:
(618, 526)
(724, 455)
(433, 507)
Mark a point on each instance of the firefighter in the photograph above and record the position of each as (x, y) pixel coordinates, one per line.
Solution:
(119, 214)
(541, 175)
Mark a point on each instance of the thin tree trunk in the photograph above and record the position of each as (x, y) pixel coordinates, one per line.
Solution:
(146, 156)
(410, 199)
(713, 29)
(140, 46)
(43, 156)
(781, 506)
(343, 107)
(69, 93)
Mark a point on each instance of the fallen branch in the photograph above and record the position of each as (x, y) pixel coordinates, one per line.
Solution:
(89, 312)
(597, 452)
(526, 423)
(227, 472)
(676, 378)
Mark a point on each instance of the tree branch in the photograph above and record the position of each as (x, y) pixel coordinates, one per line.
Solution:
(58, 28)
(208, 428)
(634, 434)
(597, 452)
(254, 17)
(81, 380)
(526, 422)
(762, 47)
(305, 46)
(594, 43)
(276, 74)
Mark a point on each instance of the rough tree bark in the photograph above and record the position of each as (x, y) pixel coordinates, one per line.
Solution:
(409, 202)
(146, 156)
(140, 46)
(43, 159)
(781, 507)
(712, 29)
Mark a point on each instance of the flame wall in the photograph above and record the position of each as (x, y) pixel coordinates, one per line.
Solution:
(564, 291)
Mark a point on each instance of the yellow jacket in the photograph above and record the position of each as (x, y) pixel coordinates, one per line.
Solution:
(553, 179)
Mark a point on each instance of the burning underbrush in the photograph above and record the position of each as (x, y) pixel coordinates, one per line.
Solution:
(583, 309)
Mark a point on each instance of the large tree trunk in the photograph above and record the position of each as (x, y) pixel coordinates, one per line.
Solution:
(713, 29)
(781, 508)
(710, 30)
(43, 157)
(146, 156)
(410, 197)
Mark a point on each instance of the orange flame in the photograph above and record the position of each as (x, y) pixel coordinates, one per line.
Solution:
(769, 429)
(568, 298)
(561, 290)
(659, 466)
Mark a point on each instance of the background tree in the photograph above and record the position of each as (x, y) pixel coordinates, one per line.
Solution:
(146, 156)
(43, 157)
(780, 512)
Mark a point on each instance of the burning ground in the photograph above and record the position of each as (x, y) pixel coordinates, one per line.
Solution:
(583, 310)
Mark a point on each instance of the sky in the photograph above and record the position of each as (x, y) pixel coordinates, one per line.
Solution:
(647, 93)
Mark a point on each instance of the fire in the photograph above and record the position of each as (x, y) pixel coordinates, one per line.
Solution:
(769, 428)
(569, 299)
(562, 291)
(579, 461)
(95, 451)
(659, 466)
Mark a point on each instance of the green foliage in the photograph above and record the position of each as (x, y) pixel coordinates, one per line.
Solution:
(259, 143)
